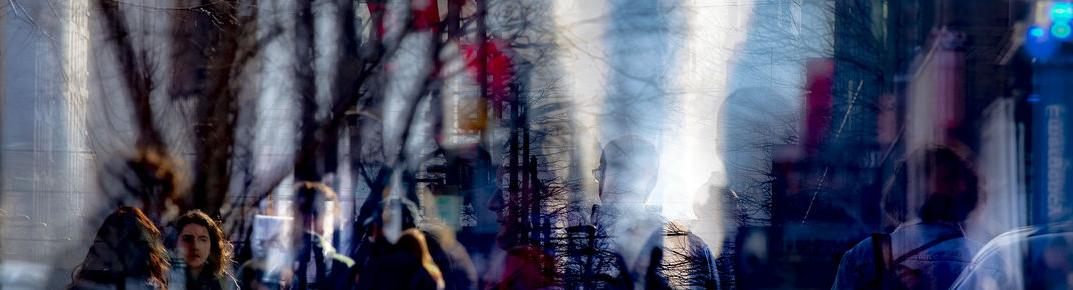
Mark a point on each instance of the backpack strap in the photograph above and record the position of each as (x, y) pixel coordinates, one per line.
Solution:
(881, 251)
(881, 255)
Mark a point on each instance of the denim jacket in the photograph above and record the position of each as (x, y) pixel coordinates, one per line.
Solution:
(939, 265)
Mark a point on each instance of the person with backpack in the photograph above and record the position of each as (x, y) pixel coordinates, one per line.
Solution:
(932, 194)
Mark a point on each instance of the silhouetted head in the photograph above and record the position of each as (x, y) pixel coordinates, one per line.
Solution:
(628, 169)
(203, 244)
(314, 206)
(935, 185)
(150, 180)
(406, 264)
(127, 247)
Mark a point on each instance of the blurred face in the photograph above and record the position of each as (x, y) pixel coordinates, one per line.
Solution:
(196, 245)
(619, 184)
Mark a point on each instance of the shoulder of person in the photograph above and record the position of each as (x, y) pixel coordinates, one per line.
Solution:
(856, 266)
(1003, 256)
(228, 282)
(859, 254)
(675, 228)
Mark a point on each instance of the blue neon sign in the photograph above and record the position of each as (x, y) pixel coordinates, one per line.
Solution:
(1062, 12)
(1061, 30)
(1037, 32)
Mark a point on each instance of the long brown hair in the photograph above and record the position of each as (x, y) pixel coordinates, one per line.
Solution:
(127, 245)
(415, 243)
(219, 260)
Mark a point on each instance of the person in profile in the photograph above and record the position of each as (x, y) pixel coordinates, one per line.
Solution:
(126, 254)
(205, 252)
(931, 195)
(642, 249)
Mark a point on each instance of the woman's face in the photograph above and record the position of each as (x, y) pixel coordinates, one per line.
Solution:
(196, 245)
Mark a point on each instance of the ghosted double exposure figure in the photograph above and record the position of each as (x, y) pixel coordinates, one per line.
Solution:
(149, 179)
(316, 263)
(126, 254)
(636, 247)
(395, 254)
(404, 264)
(932, 193)
(395, 249)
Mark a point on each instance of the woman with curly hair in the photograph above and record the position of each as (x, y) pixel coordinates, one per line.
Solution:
(126, 254)
(206, 253)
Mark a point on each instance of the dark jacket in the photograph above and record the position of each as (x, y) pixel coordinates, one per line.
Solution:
(389, 267)
(459, 273)
(318, 266)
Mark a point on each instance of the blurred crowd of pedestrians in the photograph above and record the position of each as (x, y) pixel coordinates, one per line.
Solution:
(932, 195)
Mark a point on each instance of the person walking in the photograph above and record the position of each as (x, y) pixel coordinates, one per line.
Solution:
(932, 194)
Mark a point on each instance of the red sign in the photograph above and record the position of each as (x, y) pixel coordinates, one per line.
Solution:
(818, 101)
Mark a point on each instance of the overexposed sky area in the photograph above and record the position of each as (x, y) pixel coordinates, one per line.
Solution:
(691, 72)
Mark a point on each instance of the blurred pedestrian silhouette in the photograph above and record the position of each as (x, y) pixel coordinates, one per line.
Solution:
(400, 213)
(933, 192)
(316, 263)
(126, 254)
(640, 248)
(406, 264)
